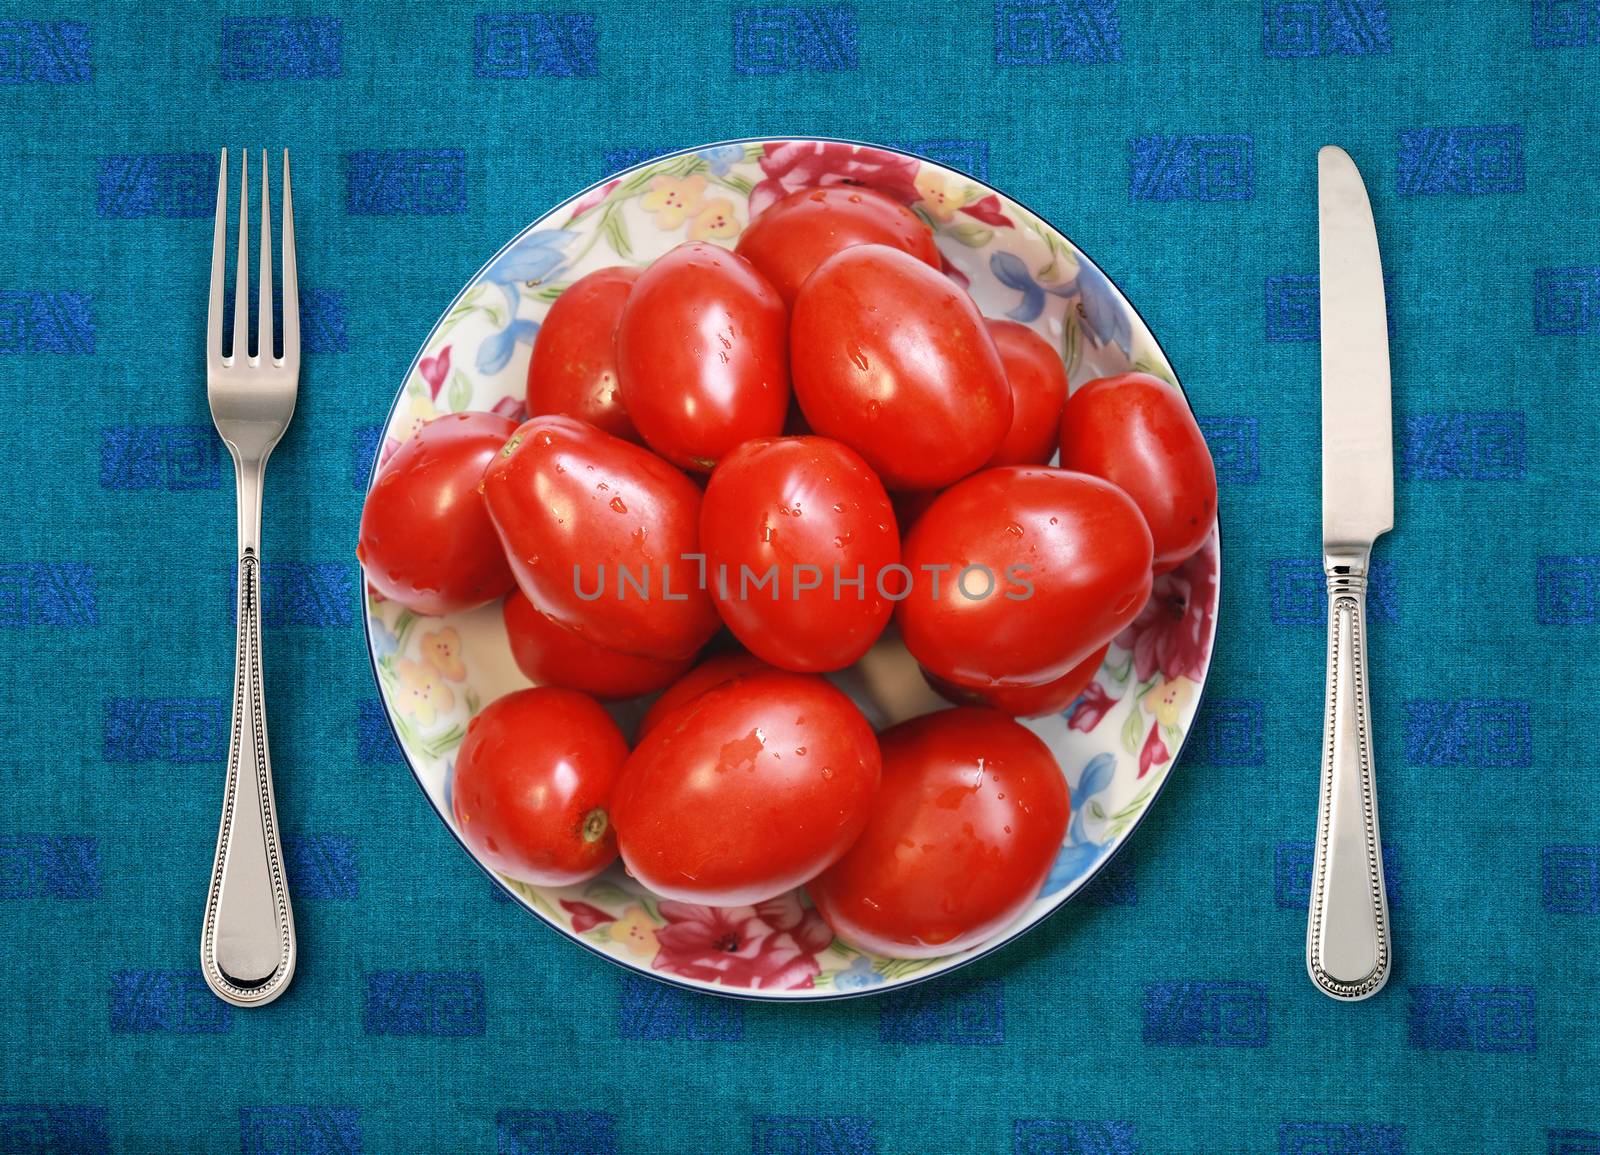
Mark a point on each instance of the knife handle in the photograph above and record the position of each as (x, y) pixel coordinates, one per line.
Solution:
(1348, 949)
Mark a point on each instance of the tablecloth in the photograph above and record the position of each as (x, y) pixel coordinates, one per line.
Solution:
(1168, 1010)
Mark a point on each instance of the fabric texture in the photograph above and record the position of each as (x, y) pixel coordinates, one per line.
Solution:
(1168, 1009)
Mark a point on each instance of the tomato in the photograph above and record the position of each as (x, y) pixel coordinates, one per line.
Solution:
(703, 355)
(426, 540)
(747, 791)
(1137, 432)
(1026, 701)
(1041, 567)
(892, 358)
(549, 653)
(708, 675)
(598, 532)
(802, 516)
(1038, 383)
(574, 365)
(795, 235)
(968, 821)
(910, 504)
(533, 781)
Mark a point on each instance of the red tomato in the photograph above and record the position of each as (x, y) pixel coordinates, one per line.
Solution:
(805, 228)
(426, 540)
(968, 821)
(549, 653)
(708, 675)
(1137, 432)
(1068, 565)
(910, 504)
(891, 357)
(1038, 383)
(747, 791)
(803, 516)
(703, 355)
(574, 365)
(1026, 701)
(597, 532)
(533, 781)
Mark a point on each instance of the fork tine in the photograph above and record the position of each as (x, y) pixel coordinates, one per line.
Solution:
(291, 284)
(219, 262)
(241, 275)
(264, 294)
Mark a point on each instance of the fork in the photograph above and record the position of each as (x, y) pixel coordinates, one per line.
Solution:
(247, 945)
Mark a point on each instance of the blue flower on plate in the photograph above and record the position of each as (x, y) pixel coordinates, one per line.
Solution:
(1104, 315)
(721, 159)
(535, 257)
(384, 643)
(858, 976)
(1078, 855)
(1009, 270)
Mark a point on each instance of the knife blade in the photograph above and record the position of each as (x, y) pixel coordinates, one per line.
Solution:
(1357, 429)
(1348, 946)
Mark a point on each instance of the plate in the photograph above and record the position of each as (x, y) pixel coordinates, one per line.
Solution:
(1116, 745)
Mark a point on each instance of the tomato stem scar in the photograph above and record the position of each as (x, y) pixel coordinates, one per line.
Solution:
(595, 824)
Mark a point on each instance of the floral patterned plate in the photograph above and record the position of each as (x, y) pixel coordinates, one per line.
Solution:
(1116, 744)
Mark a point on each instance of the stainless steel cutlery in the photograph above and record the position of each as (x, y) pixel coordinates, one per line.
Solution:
(1348, 946)
(247, 944)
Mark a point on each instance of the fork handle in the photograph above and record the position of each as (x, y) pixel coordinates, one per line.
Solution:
(247, 945)
(1347, 936)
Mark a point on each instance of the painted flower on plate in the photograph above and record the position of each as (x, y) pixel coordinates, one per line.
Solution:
(770, 946)
(1167, 698)
(672, 200)
(422, 692)
(936, 196)
(858, 976)
(1090, 707)
(1172, 634)
(442, 651)
(716, 219)
(1104, 315)
(788, 166)
(635, 932)
(721, 159)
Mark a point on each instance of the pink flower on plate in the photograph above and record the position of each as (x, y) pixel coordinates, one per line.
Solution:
(1090, 707)
(1155, 752)
(770, 946)
(585, 915)
(1172, 633)
(434, 370)
(511, 407)
(789, 166)
(592, 198)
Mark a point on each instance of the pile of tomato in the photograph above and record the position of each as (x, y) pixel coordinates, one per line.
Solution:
(741, 467)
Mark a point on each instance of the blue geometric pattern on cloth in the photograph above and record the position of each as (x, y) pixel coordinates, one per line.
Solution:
(1167, 1009)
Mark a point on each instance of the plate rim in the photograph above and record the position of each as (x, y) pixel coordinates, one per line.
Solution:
(716, 989)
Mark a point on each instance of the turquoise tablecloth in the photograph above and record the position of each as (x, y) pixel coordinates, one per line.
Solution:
(1170, 1013)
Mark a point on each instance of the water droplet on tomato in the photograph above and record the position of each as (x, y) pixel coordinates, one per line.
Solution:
(616, 504)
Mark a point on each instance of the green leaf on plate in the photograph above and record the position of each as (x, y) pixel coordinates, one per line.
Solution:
(551, 291)
(1133, 730)
(1155, 369)
(607, 893)
(615, 230)
(459, 398)
(473, 701)
(971, 233)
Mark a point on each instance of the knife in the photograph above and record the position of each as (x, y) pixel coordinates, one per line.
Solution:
(1348, 947)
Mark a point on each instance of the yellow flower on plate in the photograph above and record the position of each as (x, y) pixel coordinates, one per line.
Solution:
(938, 197)
(673, 200)
(1167, 698)
(442, 651)
(716, 219)
(423, 692)
(636, 932)
(420, 410)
